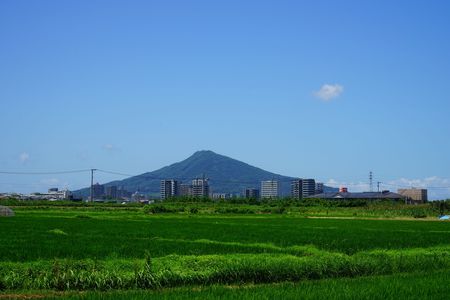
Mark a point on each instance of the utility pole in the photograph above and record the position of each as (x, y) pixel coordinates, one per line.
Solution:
(203, 186)
(378, 186)
(92, 185)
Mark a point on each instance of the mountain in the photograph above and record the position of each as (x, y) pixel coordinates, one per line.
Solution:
(226, 175)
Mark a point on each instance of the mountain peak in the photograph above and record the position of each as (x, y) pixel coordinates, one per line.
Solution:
(204, 153)
(227, 175)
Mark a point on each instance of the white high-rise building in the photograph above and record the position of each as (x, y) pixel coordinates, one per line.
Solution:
(270, 189)
(169, 189)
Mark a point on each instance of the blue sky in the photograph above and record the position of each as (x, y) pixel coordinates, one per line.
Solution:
(323, 89)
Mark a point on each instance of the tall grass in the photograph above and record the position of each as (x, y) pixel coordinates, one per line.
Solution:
(415, 286)
(178, 270)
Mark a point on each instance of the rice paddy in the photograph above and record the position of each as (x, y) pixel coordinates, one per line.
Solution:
(94, 253)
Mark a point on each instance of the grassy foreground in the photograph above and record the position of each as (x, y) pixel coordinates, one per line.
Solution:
(401, 286)
(82, 250)
(46, 234)
(174, 270)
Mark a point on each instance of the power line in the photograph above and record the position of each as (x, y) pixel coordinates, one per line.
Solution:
(44, 173)
(116, 173)
(149, 176)
(388, 184)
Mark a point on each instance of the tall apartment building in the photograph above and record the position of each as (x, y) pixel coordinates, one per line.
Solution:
(200, 187)
(111, 192)
(319, 188)
(414, 195)
(270, 189)
(169, 189)
(98, 190)
(301, 188)
(185, 189)
(309, 187)
(251, 193)
(296, 189)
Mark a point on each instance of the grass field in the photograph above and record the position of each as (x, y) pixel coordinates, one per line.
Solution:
(187, 255)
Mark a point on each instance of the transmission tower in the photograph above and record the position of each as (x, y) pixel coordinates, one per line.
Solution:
(92, 185)
(371, 181)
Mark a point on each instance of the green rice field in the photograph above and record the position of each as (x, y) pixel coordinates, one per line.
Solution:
(111, 253)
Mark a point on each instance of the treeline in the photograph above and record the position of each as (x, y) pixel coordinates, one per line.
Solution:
(62, 203)
(307, 207)
(286, 201)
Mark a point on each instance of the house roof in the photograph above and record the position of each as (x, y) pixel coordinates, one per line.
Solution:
(363, 195)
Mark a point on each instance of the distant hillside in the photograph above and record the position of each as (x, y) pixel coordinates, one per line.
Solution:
(226, 175)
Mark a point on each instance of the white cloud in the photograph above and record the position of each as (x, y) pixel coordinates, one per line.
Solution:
(359, 186)
(438, 188)
(329, 91)
(24, 157)
(433, 181)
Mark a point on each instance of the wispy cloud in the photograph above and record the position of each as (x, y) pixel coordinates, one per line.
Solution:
(428, 182)
(329, 91)
(110, 147)
(50, 181)
(24, 157)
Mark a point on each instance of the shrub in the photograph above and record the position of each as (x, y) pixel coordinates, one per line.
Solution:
(159, 209)
(418, 213)
(278, 210)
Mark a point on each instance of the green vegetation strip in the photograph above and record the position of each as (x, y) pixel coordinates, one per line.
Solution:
(399, 286)
(179, 270)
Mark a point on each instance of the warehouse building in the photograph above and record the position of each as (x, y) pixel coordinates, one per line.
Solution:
(343, 194)
(414, 196)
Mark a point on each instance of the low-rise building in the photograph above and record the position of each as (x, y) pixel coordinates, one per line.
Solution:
(251, 193)
(414, 196)
(384, 195)
(221, 196)
(137, 196)
(53, 194)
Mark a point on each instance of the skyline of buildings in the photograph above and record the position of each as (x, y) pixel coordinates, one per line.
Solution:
(199, 187)
(170, 188)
